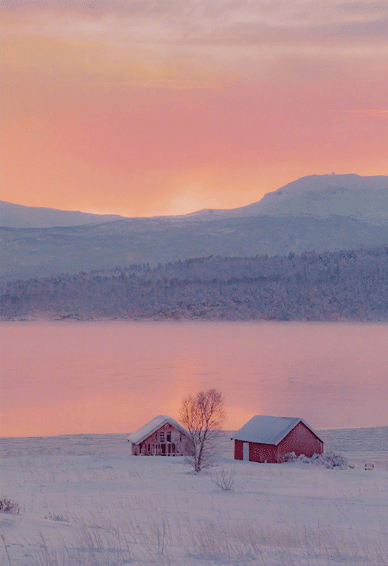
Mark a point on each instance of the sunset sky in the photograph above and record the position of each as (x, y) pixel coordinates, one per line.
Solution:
(145, 107)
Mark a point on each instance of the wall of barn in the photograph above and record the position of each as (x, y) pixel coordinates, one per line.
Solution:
(257, 452)
(153, 444)
(301, 441)
(263, 453)
(238, 449)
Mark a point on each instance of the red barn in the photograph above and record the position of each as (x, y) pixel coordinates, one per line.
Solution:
(269, 439)
(162, 436)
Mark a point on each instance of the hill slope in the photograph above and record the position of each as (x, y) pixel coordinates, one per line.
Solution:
(309, 214)
(19, 216)
(43, 252)
(361, 198)
(350, 285)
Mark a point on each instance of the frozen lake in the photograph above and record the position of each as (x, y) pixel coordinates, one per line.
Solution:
(112, 377)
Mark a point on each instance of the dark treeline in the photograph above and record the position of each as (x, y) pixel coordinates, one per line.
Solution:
(344, 285)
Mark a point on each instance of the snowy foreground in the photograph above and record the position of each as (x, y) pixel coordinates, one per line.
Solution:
(85, 501)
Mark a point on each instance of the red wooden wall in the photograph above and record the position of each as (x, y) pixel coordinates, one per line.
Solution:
(300, 440)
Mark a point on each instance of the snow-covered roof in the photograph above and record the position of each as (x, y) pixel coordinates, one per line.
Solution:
(154, 425)
(268, 430)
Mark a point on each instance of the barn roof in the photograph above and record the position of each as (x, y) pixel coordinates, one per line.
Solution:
(268, 430)
(151, 427)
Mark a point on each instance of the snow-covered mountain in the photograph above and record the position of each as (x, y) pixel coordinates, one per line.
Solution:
(321, 213)
(362, 198)
(19, 216)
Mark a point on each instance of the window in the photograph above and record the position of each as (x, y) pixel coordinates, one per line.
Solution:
(161, 436)
(169, 437)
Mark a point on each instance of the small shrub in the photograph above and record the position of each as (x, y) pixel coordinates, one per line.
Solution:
(289, 457)
(224, 479)
(9, 506)
(329, 460)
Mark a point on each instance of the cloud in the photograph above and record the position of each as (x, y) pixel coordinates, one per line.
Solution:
(191, 44)
(210, 22)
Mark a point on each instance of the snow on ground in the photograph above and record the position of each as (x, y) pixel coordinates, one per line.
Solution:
(86, 501)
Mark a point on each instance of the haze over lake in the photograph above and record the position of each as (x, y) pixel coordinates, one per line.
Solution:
(112, 377)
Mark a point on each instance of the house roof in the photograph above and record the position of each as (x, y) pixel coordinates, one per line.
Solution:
(154, 425)
(268, 430)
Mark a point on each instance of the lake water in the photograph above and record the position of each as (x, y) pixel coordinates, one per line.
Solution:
(112, 377)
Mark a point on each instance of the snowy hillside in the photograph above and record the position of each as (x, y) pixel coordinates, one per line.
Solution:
(18, 216)
(361, 198)
(347, 285)
(85, 501)
(320, 213)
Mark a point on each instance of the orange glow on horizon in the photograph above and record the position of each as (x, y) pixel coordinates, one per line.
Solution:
(131, 112)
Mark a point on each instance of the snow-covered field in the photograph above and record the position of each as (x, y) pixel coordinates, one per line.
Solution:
(85, 501)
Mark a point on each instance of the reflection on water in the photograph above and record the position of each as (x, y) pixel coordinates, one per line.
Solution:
(112, 377)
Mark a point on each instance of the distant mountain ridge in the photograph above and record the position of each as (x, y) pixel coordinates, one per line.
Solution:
(19, 216)
(321, 213)
(362, 198)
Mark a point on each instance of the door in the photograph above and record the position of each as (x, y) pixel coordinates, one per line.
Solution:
(246, 451)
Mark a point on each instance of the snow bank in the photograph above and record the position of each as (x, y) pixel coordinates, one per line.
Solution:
(85, 501)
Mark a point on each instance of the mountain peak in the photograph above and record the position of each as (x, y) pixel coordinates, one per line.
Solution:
(351, 195)
(364, 198)
(350, 181)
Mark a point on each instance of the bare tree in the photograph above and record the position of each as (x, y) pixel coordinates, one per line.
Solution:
(203, 416)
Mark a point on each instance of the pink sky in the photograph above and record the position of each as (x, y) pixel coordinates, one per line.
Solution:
(143, 107)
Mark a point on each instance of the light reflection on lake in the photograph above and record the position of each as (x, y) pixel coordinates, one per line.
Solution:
(106, 377)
